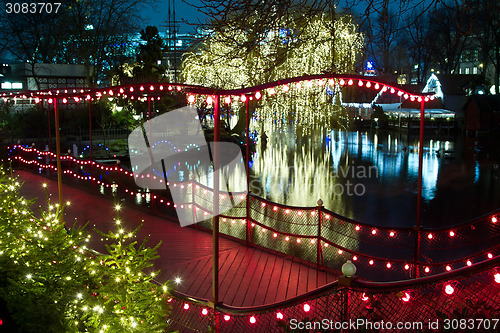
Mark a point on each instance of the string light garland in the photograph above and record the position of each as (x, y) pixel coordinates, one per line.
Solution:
(276, 209)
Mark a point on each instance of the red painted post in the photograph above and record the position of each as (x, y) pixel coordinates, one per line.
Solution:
(416, 272)
(319, 255)
(193, 198)
(90, 129)
(48, 117)
(215, 219)
(247, 116)
(58, 157)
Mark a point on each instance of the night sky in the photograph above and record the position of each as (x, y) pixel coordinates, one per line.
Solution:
(159, 15)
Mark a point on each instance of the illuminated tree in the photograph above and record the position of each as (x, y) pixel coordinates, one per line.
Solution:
(52, 282)
(222, 60)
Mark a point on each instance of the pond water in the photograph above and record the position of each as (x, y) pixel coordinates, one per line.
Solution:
(372, 176)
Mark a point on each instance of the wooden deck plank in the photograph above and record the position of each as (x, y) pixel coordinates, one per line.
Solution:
(262, 287)
(247, 276)
(227, 276)
(238, 272)
(274, 281)
(302, 279)
(293, 280)
(251, 269)
(284, 281)
(253, 286)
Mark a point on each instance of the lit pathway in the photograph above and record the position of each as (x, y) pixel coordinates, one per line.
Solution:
(247, 276)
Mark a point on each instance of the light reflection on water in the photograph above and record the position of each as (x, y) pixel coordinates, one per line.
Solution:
(381, 171)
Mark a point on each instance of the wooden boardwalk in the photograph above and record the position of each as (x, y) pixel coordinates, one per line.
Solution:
(247, 276)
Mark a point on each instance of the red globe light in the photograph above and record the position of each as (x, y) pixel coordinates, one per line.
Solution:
(227, 317)
(204, 312)
(307, 308)
(253, 320)
(186, 306)
(279, 316)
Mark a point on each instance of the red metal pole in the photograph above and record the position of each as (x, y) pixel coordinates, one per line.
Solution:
(247, 116)
(416, 272)
(58, 158)
(90, 128)
(50, 136)
(215, 219)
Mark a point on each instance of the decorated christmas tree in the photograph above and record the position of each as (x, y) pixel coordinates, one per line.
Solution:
(52, 282)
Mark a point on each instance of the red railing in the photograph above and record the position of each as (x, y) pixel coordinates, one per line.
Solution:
(314, 234)
(462, 283)
(467, 296)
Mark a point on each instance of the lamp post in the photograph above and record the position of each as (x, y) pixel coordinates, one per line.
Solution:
(348, 269)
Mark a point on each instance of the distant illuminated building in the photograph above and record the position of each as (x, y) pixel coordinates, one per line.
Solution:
(370, 69)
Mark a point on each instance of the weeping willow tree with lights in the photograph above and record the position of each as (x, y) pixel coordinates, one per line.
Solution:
(51, 281)
(230, 58)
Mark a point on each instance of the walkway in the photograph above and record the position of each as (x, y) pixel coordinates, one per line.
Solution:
(247, 276)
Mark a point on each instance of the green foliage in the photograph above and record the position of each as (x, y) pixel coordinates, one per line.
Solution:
(379, 116)
(149, 54)
(52, 282)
